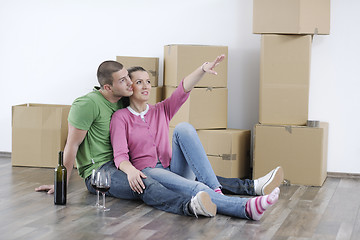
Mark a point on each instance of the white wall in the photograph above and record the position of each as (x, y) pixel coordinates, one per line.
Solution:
(49, 53)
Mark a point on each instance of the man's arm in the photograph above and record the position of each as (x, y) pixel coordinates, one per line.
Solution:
(74, 139)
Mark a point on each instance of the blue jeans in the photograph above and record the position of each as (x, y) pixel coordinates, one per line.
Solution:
(231, 206)
(190, 161)
(155, 194)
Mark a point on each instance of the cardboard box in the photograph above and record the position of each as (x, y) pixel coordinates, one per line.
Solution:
(228, 151)
(156, 95)
(39, 132)
(291, 16)
(284, 79)
(150, 64)
(205, 108)
(300, 150)
(181, 60)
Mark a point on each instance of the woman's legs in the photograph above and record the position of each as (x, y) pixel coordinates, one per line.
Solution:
(231, 206)
(189, 158)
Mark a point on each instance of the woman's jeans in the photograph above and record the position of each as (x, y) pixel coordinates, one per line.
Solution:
(155, 194)
(190, 161)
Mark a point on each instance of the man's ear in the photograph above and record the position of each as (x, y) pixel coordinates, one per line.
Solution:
(107, 87)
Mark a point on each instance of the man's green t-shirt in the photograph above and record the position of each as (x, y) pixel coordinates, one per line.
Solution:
(92, 113)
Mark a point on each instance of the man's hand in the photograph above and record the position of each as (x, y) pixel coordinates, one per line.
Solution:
(48, 188)
(135, 180)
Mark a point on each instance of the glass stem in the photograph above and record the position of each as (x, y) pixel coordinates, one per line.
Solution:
(98, 199)
(103, 195)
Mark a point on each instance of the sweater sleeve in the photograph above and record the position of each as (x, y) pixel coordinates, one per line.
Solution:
(118, 138)
(175, 101)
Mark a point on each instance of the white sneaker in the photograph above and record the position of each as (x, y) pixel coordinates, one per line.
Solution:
(266, 184)
(201, 204)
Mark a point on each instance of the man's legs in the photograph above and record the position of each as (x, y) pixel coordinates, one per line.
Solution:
(261, 186)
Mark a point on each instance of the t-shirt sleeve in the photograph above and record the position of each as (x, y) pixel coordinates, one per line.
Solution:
(118, 138)
(82, 113)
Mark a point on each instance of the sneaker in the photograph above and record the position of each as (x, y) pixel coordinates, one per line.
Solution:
(266, 184)
(201, 204)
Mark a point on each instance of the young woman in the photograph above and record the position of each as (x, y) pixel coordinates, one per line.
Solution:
(139, 135)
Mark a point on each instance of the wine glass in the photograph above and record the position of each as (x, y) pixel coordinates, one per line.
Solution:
(93, 184)
(103, 180)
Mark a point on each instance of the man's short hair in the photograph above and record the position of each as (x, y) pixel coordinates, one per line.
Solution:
(105, 71)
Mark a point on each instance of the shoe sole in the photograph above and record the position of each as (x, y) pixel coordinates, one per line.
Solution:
(207, 205)
(274, 181)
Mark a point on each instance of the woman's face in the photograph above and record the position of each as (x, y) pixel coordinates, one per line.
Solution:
(141, 86)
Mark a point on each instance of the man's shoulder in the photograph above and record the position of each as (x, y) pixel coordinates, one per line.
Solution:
(89, 98)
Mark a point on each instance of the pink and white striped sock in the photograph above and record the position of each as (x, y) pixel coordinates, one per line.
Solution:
(218, 190)
(256, 206)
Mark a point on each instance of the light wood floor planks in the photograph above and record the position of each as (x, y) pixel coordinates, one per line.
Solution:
(329, 212)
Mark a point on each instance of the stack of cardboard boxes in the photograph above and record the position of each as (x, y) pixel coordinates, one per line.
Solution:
(282, 137)
(206, 108)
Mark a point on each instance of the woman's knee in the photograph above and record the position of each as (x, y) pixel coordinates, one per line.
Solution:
(184, 128)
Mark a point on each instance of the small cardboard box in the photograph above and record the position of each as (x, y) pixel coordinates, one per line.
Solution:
(206, 108)
(300, 150)
(291, 16)
(150, 64)
(284, 79)
(228, 151)
(39, 132)
(156, 95)
(181, 60)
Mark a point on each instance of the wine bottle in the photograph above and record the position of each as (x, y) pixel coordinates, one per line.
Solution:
(60, 183)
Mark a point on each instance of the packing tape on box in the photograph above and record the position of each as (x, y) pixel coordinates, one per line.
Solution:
(312, 123)
(152, 72)
(288, 128)
(224, 156)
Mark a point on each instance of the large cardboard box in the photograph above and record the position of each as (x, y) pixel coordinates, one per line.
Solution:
(300, 150)
(150, 64)
(206, 108)
(156, 95)
(181, 60)
(228, 151)
(39, 132)
(284, 79)
(291, 16)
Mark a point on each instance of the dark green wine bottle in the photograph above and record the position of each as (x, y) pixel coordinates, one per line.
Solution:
(60, 184)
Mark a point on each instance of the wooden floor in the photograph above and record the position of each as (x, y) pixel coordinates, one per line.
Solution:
(329, 212)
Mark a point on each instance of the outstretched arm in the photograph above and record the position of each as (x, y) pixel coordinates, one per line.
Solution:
(208, 67)
(74, 139)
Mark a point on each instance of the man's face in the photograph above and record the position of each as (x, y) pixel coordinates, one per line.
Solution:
(122, 84)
